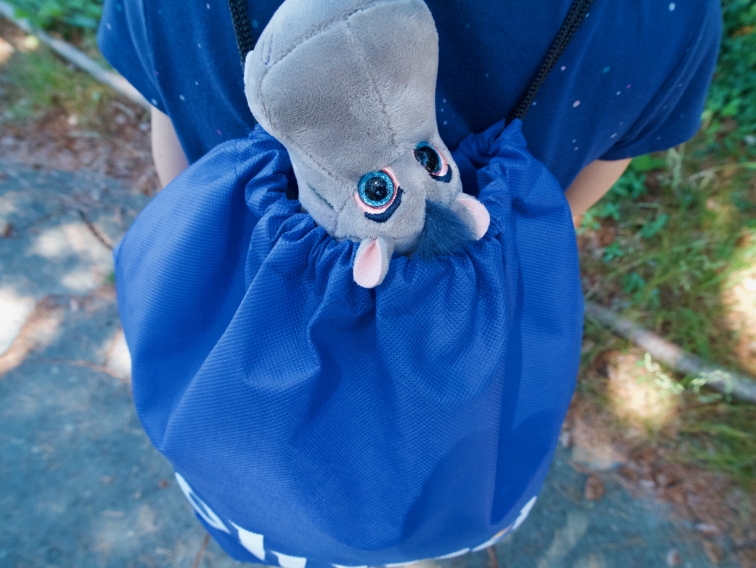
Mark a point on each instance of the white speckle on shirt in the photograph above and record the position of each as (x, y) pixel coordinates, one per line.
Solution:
(207, 6)
(445, 123)
(442, 110)
(108, 26)
(671, 6)
(154, 102)
(575, 140)
(613, 135)
(444, 100)
(182, 97)
(619, 92)
(196, 82)
(563, 67)
(199, 45)
(576, 104)
(577, 148)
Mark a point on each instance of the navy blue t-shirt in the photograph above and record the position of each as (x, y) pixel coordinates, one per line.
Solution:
(633, 80)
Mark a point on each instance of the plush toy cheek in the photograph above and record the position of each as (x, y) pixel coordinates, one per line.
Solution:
(371, 262)
(474, 211)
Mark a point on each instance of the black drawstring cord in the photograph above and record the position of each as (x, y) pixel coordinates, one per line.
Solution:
(242, 28)
(575, 17)
(572, 22)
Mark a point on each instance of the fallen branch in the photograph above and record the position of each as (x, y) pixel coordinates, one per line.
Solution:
(718, 378)
(70, 53)
(201, 552)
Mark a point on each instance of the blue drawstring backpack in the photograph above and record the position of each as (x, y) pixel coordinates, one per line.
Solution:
(313, 422)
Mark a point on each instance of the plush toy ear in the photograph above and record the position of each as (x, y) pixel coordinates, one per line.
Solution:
(372, 262)
(473, 212)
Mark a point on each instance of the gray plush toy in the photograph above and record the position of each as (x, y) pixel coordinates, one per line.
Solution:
(348, 87)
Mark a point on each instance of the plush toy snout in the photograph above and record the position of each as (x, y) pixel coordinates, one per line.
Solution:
(446, 231)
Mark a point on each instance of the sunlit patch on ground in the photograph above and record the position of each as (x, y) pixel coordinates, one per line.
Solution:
(40, 330)
(641, 394)
(15, 308)
(739, 298)
(6, 50)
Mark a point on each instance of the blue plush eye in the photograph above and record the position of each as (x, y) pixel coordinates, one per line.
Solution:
(376, 189)
(429, 158)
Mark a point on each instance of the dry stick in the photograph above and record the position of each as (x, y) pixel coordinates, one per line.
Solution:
(114, 80)
(493, 558)
(201, 552)
(718, 378)
(96, 232)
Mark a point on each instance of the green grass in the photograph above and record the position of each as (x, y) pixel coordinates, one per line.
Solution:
(677, 229)
(721, 436)
(66, 16)
(36, 81)
(662, 244)
(732, 94)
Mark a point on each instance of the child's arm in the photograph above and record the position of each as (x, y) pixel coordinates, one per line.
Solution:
(592, 183)
(167, 153)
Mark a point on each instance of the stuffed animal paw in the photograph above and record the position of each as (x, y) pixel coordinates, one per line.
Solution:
(348, 87)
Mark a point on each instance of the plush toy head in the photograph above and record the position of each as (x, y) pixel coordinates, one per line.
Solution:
(348, 87)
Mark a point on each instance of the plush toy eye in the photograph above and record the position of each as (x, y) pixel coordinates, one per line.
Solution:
(378, 195)
(434, 162)
(429, 157)
(376, 189)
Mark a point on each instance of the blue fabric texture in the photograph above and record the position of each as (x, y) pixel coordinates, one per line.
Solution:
(632, 81)
(311, 421)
